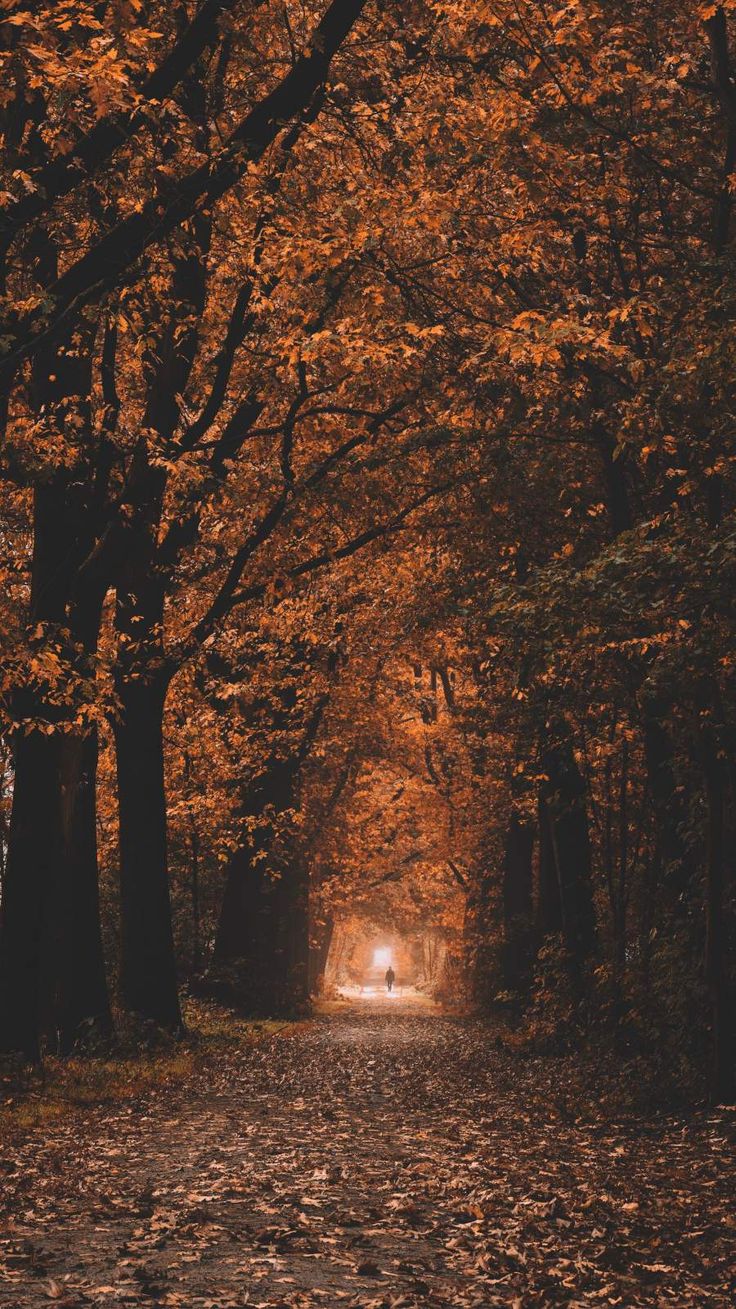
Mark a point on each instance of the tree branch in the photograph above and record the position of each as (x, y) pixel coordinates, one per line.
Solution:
(323, 560)
(229, 598)
(102, 267)
(65, 172)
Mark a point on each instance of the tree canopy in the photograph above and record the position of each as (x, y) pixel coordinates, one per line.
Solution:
(367, 507)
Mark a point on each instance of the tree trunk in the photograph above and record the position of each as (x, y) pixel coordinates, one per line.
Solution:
(194, 885)
(26, 970)
(238, 907)
(291, 982)
(723, 1072)
(320, 942)
(262, 945)
(245, 942)
(668, 805)
(84, 1004)
(480, 926)
(148, 968)
(570, 839)
(52, 972)
(615, 482)
(50, 940)
(261, 955)
(517, 903)
(621, 887)
(549, 908)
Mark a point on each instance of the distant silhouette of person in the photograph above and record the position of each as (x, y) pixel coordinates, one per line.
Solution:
(390, 978)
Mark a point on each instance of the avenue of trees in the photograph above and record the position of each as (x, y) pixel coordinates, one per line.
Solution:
(367, 510)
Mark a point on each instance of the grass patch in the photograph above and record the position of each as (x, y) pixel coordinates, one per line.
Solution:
(140, 1060)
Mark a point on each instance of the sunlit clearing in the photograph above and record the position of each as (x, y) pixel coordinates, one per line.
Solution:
(382, 957)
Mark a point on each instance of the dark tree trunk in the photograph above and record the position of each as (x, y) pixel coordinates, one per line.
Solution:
(621, 893)
(50, 940)
(320, 942)
(84, 1006)
(29, 937)
(26, 963)
(50, 936)
(517, 904)
(261, 954)
(549, 908)
(570, 839)
(242, 963)
(52, 972)
(194, 884)
(668, 803)
(148, 968)
(239, 907)
(615, 482)
(723, 1071)
(481, 914)
(292, 945)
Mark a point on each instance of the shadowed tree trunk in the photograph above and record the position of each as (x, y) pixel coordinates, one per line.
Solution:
(245, 945)
(717, 970)
(147, 964)
(722, 1071)
(668, 803)
(52, 972)
(33, 862)
(480, 933)
(321, 936)
(565, 802)
(29, 937)
(517, 903)
(621, 891)
(260, 947)
(194, 883)
(85, 1004)
(143, 675)
(614, 481)
(293, 933)
(50, 940)
(261, 953)
(148, 969)
(549, 907)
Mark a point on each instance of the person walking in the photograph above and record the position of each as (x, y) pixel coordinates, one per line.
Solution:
(390, 978)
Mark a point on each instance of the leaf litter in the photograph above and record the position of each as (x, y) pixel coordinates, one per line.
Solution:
(376, 1156)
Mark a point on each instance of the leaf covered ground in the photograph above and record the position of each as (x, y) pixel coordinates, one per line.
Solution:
(379, 1155)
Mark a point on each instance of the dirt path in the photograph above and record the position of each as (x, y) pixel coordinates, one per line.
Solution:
(380, 1155)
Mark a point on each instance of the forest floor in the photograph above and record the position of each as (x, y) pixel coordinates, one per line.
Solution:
(381, 1154)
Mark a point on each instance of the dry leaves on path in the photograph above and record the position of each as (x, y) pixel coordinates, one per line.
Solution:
(379, 1156)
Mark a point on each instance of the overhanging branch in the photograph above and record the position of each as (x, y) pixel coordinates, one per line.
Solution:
(103, 267)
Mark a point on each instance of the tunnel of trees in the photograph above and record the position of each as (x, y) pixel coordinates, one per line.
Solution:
(367, 511)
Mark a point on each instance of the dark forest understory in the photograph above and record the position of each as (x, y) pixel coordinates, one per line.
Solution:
(379, 1155)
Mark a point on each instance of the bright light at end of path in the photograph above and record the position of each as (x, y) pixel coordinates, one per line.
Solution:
(382, 957)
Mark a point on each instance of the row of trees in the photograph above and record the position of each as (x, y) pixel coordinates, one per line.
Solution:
(367, 508)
